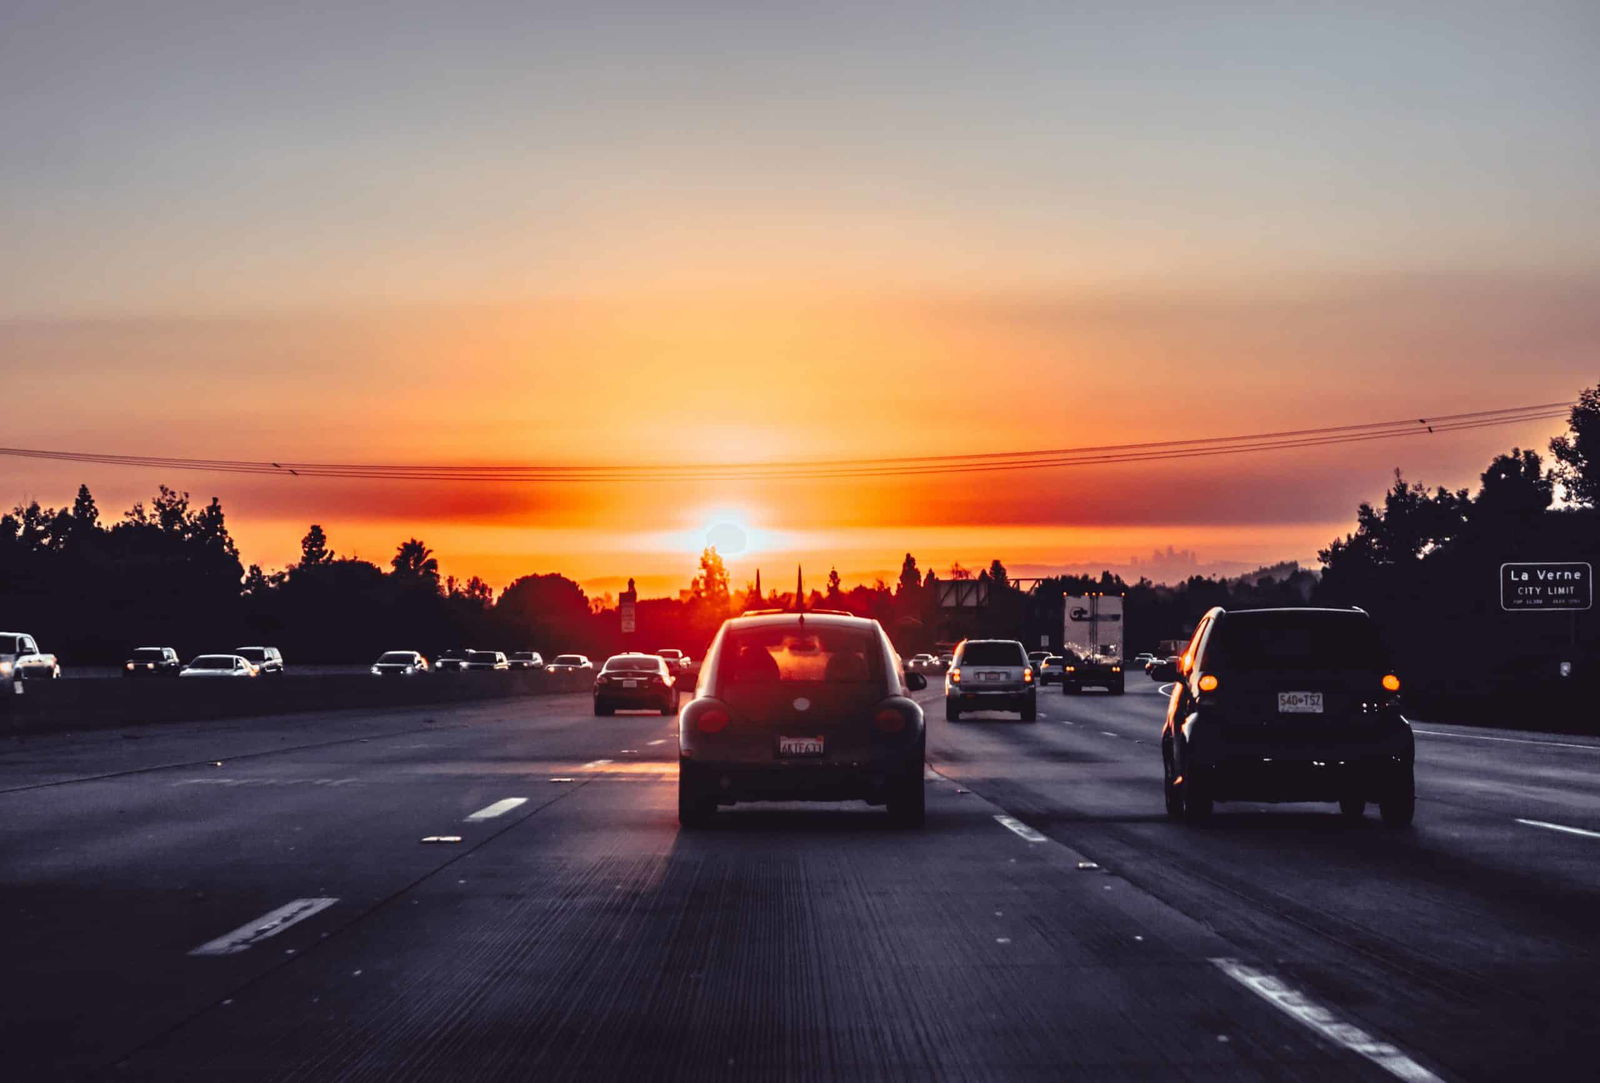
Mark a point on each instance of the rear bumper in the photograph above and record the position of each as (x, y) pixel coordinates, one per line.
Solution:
(642, 697)
(992, 699)
(1370, 778)
(798, 780)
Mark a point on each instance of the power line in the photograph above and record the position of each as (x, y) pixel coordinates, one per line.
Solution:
(981, 462)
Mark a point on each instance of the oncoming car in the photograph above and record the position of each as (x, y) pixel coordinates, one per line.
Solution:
(569, 663)
(220, 665)
(1287, 705)
(631, 681)
(801, 707)
(485, 661)
(399, 664)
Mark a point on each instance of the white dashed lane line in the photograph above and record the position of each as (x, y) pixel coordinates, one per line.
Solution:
(596, 763)
(1308, 1012)
(1561, 827)
(661, 741)
(1020, 829)
(499, 808)
(1108, 733)
(269, 924)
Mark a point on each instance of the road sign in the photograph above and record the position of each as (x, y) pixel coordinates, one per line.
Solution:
(627, 607)
(963, 593)
(1546, 586)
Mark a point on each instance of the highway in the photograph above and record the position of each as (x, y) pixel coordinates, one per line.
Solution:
(258, 899)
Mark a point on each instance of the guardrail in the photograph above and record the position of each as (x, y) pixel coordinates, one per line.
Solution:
(64, 706)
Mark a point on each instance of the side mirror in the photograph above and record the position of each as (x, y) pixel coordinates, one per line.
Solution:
(916, 682)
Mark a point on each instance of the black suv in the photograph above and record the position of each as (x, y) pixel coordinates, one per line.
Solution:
(1287, 705)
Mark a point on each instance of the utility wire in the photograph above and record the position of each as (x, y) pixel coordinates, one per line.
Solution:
(1094, 455)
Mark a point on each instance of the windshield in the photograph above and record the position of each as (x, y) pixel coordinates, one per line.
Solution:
(1290, 640)
(8, 644)
(637, 663)
(398, 658)
(569, 660)
(145, 654)
(212, 661)
(482, 656)
(792, 654)
(993, 653)
(254, 654)
(524, 656)
(670, 653)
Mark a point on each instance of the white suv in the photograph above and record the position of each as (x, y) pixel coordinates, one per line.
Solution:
(990, 675)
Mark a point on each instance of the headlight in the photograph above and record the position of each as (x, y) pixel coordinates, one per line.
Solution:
(130, 665)
(376, 671)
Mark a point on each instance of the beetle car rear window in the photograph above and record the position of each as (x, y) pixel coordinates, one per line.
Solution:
(1307, 640)
(794, 653)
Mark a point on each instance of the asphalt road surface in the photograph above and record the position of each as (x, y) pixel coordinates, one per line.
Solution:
(256, 899)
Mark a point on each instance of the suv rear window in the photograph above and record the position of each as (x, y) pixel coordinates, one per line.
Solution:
(993, 653)
(149, 654)
(1272, 641)
(794, 654)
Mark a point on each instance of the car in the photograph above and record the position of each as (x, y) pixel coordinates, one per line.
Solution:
(399, 664)
(22, 660)
(1287, 705)
(635, 681)
(946, 660)
(450, 661)
(1050, 669)
(486, 661)
(569, 663)
(1162, 669)
(220, 665)
(269, 660)
(152, 662)
(1036, 658)
(675, 658)
(990, 675)
(802, 707)
(922, 663)
(526, 660)
(1091, 671)
(1143, 658)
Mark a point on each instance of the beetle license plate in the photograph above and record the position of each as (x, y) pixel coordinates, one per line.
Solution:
(1299, 702)
(799, 746)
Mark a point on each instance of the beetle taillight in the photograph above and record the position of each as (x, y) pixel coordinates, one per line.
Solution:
(889, 720)
(712, 720)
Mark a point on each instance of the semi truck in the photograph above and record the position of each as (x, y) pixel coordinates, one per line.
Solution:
(1091, 641)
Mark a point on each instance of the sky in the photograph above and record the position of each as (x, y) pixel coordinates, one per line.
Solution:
(659, 233)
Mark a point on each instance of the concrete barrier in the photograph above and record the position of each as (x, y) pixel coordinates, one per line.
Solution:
(61, 706)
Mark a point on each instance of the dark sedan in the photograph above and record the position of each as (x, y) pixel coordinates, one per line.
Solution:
(635, 682)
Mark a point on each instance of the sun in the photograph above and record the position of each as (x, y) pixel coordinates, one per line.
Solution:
(728, 538)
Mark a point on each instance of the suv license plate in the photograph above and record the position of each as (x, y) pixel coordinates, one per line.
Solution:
(799, 746)
(1299, 702)
(990, 676)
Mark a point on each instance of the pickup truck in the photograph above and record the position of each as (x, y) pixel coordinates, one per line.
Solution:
(21, 659)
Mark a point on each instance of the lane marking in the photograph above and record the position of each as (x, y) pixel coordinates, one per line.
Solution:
(662, 741)
(1020, 829)
(1506, 740)
(1108, 733)
(499, 808)
(1166, 689)
(1561, 827)
(597, 763)
(1303, 1009)
(269, 924)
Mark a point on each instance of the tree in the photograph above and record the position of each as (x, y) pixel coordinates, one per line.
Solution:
(314, 547)
(910, 578)
(710, 587)
(414, 564)
(1515, 488)
(958, 572)
(835, 586)
(1577, 453)
(997, 573)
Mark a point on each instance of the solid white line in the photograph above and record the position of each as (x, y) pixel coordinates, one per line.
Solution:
(1021, 829)
(1507, 740)
(597, 763)
(1303, 1009)
(1561, 827)
(499, 808)
(269, 924)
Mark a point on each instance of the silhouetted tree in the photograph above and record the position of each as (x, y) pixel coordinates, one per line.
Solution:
(1577, 452)
(910, 578)
(314, 547)
(835, 586)
(997, 573)
(710, 587)
(414, 565)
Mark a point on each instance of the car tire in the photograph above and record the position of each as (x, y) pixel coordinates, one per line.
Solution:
(1196, 798)
(952, 713)
(908, 798)
(696, 808)
(1030, 713)
(668, 708)
(1398, 808)
(1169, 789)
(604, 709)
(1352, 808)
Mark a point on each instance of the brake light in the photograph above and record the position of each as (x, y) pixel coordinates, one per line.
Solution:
(1072, 669)
(889, 720)
(1391, 683)
(712, 720)
(1208, 682)
(1027, 675)
(955, 675)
